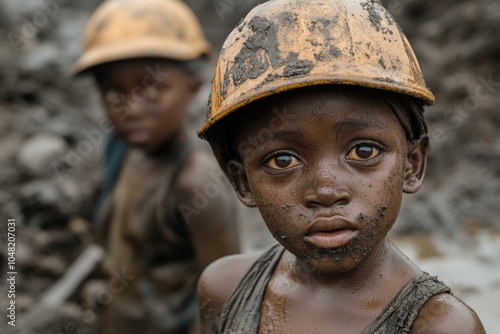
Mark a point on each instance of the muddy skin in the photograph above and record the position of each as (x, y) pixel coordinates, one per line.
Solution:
(300, 175)
(371, 225)
(288, 212)
(372, 228)
(324, 184)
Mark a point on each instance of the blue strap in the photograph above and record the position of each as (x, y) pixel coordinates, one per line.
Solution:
(114, 153)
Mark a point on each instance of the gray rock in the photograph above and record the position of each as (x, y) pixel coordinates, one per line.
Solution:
(41, 57)
(37, 153)
(46, 193)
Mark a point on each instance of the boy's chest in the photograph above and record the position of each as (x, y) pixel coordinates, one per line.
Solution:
(292, 311)
(141, 172)
(135, 198)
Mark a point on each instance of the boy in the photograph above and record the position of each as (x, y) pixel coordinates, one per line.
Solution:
(317, 118)
(159, 225)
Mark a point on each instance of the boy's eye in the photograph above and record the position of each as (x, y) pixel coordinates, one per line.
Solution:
(363, 152)
(112, 95)
(153, 93)
(283, 161)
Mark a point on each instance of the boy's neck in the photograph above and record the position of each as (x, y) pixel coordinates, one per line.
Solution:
(171, 145)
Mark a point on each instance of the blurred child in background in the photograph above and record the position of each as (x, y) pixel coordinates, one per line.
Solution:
(164, 214)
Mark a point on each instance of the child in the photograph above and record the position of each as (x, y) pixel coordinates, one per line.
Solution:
(165, 216)
(317, 118)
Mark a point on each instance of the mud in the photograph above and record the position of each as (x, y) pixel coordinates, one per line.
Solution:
(376, 19)
(461, 189)
(288, 19)
(258, 53)
(334, 51)
(381, 62)
(320, 24)
(373, 14)
(296, 67)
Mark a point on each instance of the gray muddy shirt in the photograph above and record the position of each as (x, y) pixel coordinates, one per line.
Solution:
(241, 312)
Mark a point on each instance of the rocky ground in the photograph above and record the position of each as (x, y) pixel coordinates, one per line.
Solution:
(52, 127)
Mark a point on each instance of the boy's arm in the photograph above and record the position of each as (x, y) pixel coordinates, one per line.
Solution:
(216, 284)
(444, 313)
(206, 201)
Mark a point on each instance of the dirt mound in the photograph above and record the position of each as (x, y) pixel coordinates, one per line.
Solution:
(456, 43)
(52, 130)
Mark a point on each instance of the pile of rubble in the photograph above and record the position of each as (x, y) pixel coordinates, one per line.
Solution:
(52, 130)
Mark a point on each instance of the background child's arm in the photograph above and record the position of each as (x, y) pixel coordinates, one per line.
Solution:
(444, 313)
(207, 203)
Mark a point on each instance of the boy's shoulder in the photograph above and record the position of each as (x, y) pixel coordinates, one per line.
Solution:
(202, 186)
(200, 168)
(221, 277)
(445, 313)
(218, 281)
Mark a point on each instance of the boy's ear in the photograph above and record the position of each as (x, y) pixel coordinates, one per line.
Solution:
(415, 164)
(238, 177)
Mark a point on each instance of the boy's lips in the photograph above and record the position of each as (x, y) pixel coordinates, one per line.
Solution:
(137, 136)
(330, 232)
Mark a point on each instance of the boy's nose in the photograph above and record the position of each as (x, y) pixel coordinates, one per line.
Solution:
(326, 190)
(137, 107)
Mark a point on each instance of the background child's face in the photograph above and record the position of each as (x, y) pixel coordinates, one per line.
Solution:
(327, 175)
(145, 100)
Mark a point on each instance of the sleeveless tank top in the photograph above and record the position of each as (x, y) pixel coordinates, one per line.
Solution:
(149, 254)
(241, 312)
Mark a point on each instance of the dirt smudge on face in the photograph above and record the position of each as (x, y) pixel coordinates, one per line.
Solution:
(381, 210)
(362, 217)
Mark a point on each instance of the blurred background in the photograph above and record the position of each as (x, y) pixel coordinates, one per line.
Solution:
(50, 163)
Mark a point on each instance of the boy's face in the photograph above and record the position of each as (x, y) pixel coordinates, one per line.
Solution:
(146, 100)
(327, 169)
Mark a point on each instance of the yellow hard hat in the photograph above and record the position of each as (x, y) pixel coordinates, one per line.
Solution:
(122, 29)
(286, 44)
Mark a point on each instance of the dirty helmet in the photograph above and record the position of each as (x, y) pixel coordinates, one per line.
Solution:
(123, 29)
(287, 44)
